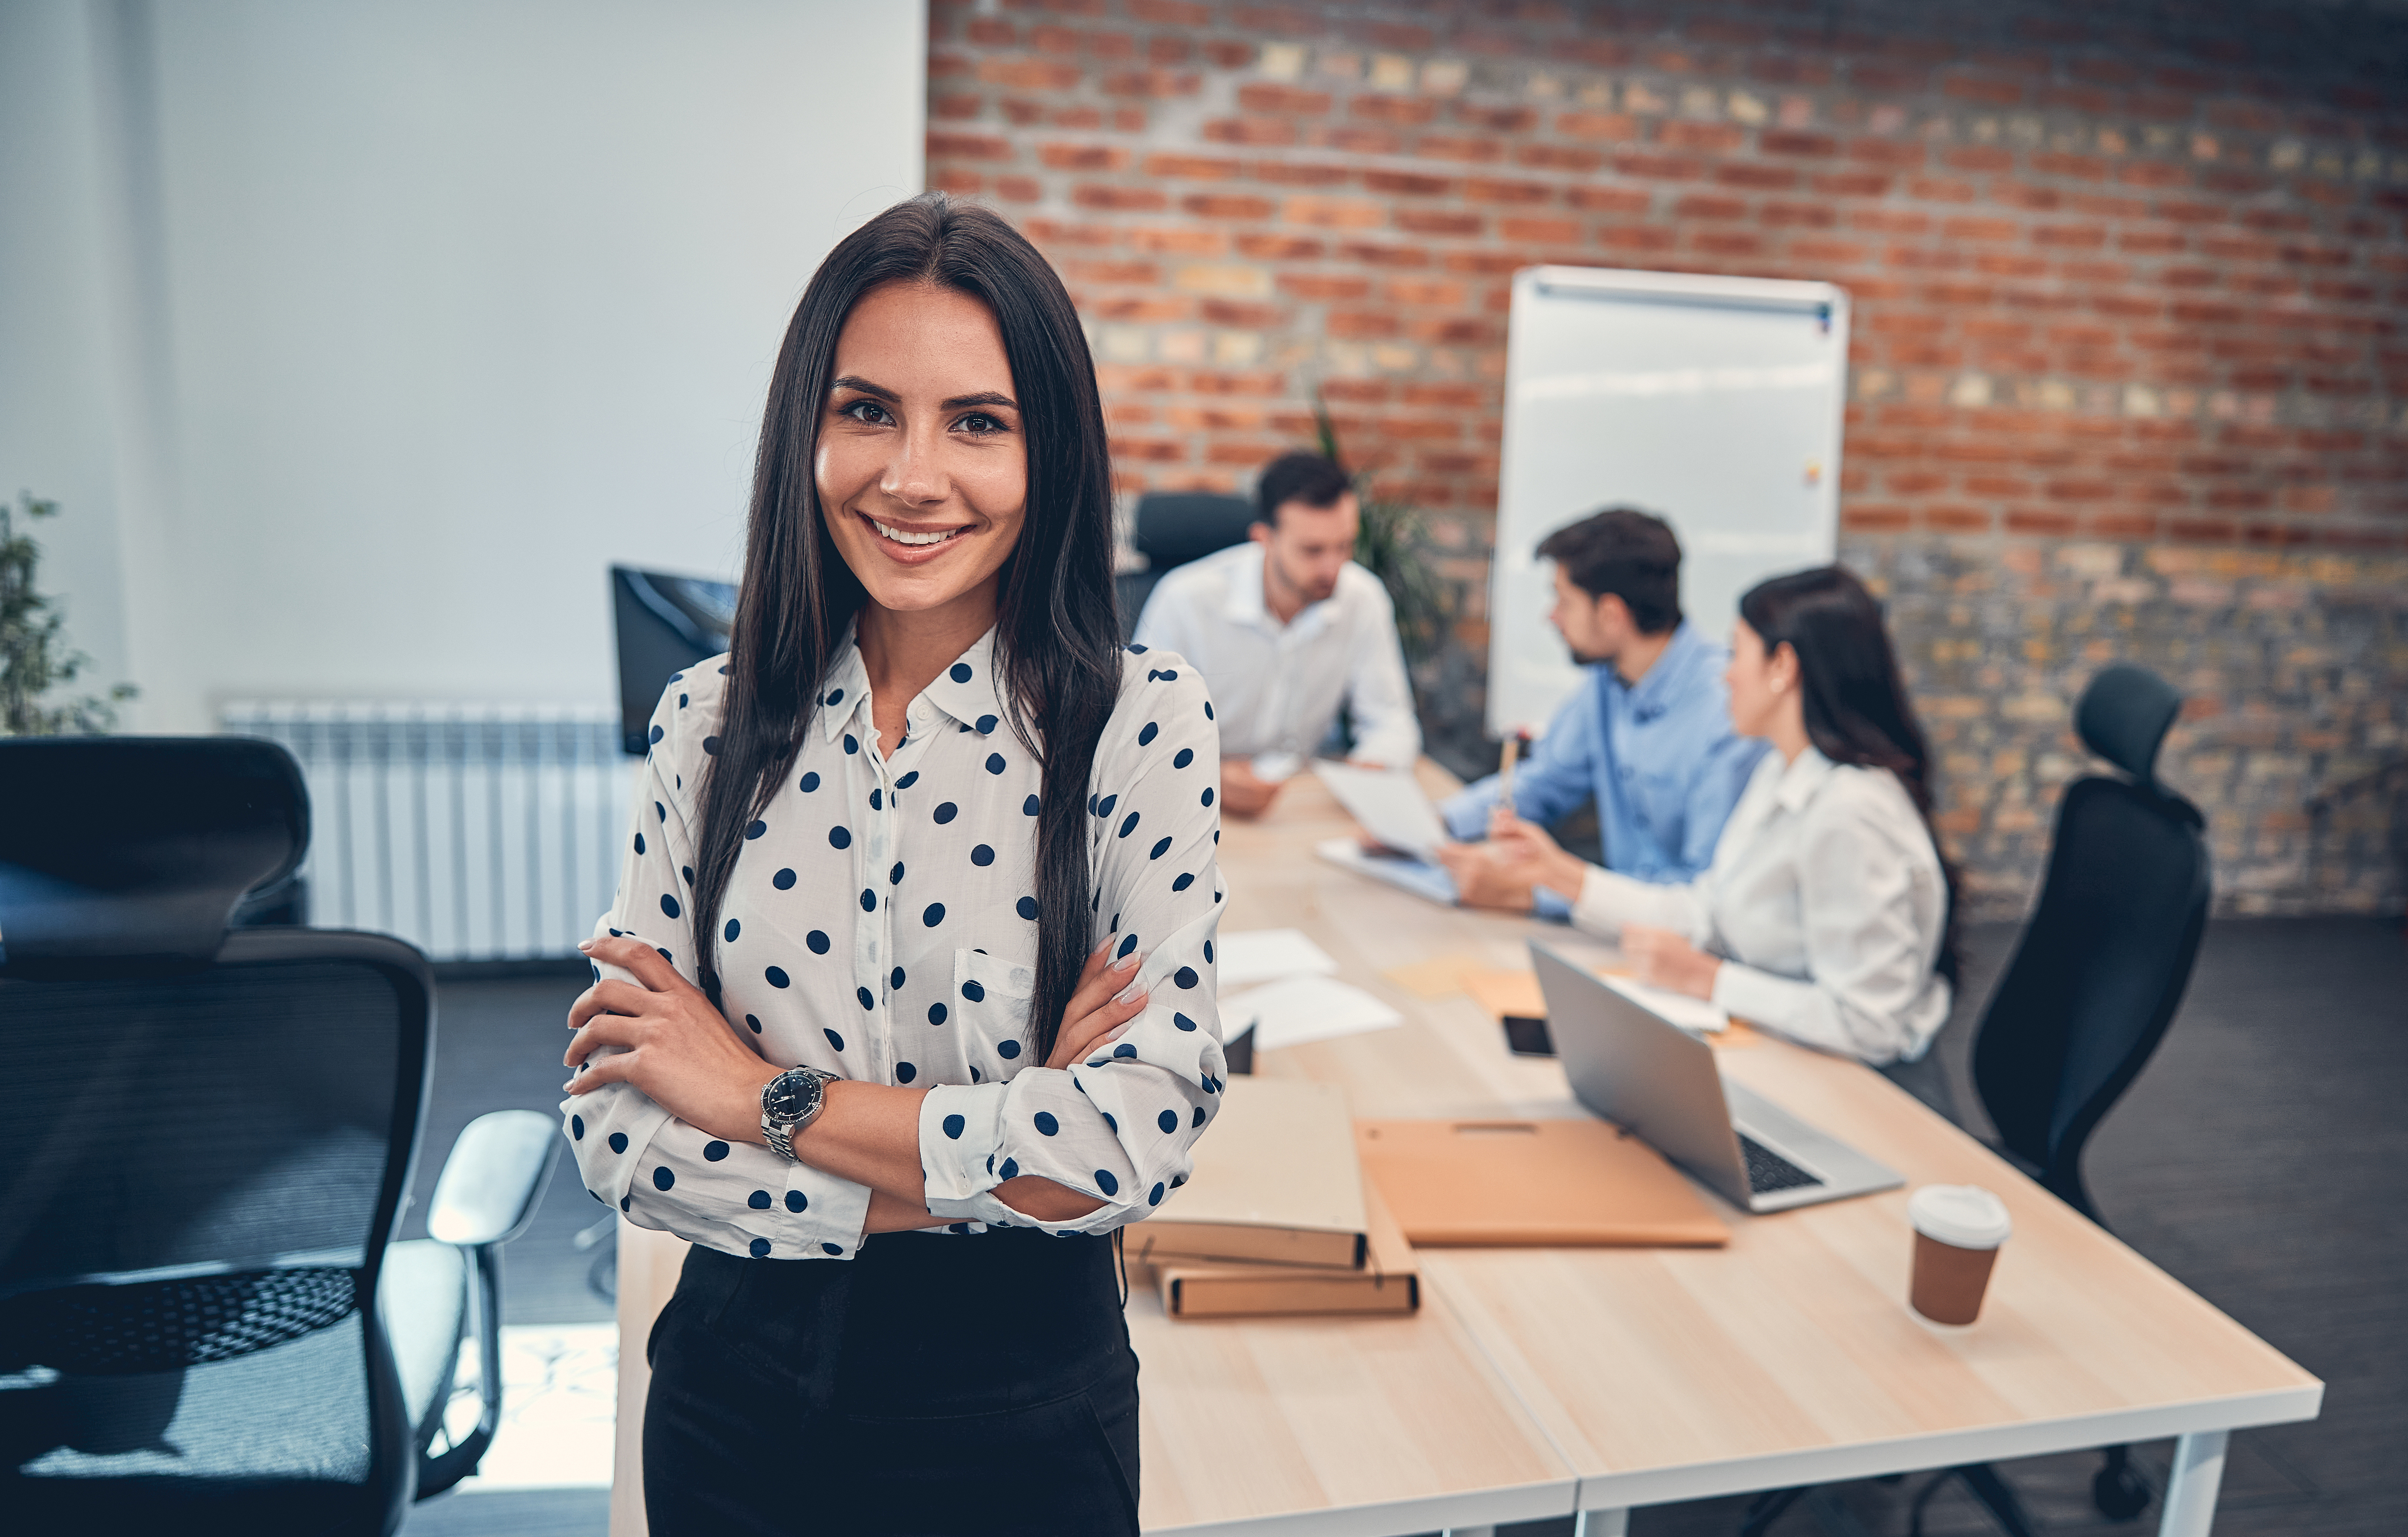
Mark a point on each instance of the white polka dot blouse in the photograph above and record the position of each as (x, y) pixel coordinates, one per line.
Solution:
(881, 926)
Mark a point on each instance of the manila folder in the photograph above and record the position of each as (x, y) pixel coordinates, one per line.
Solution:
(1276, 1182)
(1553, 1184)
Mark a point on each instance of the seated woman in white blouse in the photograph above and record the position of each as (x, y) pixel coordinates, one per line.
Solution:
(1827, 914)
(906, 1001)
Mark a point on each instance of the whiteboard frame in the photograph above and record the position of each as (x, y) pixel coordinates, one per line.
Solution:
(1781, 294)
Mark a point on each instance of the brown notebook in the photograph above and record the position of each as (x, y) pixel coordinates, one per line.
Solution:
(1389, 1283)
(1275, 1183)
(1499, 1184)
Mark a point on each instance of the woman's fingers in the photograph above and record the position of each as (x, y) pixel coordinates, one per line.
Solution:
(1085, 1033)
(610, 1067)
(630, 953)
(1097, 958)
(607, 998)
(1096, 988)
(602, 1030)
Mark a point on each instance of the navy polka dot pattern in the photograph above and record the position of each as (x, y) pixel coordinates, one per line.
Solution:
(893, 937)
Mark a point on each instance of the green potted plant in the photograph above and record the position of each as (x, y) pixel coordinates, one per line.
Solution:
(34, 656)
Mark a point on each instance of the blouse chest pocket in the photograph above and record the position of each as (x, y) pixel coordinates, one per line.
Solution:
(993, 994)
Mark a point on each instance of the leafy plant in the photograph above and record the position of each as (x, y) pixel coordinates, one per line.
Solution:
(35, 656)
(1392, 545)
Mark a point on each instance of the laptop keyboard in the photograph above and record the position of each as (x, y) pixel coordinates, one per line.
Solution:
(1769, 1171)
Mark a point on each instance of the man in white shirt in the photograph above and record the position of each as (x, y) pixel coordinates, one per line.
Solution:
(1286, 628)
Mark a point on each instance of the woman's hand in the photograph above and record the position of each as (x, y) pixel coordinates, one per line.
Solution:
(1481, 879)
(1103, 1003)
(1522, 850)
(677, 1047)
(1662, 958)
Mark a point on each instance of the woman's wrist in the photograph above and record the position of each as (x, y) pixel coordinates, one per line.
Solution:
(1566, 874)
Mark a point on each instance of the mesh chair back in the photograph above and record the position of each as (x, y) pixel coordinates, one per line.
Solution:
(1174, 527)
(251, 1116)
(206, 1165)
(2102, 965)
(207, 1143)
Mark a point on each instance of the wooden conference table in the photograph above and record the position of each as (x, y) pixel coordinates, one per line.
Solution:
(1540, 1382)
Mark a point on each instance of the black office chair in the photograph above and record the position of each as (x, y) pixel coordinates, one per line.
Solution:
(1173, 528)
(208, 1138)
(2094, 981)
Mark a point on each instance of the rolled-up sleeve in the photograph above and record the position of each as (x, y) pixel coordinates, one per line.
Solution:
(738, 1198)
(1117, 1127)
(1607, 900)
(1869, 992)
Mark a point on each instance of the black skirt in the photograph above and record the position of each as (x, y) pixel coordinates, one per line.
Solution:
(934, 1383)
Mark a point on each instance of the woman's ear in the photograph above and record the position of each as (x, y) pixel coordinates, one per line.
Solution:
(1780, 669)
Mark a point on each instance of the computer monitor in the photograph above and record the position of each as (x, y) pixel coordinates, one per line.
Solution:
(666, 624)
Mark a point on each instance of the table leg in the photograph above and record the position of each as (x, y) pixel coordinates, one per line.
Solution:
(1601, 1523)
(2190, 1489)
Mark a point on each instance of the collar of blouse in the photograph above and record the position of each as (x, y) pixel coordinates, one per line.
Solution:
(965, 690)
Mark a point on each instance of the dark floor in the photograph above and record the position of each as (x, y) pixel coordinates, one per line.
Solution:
(2255, 1160)
(497, 1046)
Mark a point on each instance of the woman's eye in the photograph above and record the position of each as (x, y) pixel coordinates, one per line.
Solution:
(867, 410)
(979, 422)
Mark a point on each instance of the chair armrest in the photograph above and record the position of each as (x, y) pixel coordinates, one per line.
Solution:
(493, 1178)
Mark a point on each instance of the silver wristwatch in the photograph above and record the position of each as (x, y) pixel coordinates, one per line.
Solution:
(791, 1102)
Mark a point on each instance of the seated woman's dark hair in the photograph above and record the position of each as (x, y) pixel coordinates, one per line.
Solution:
(1855, 704)
(1057, 635)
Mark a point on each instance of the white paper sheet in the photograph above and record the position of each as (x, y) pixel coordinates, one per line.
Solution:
(1689, 1014)
(1388, 803)
(1250, 956)
(1303, 1009)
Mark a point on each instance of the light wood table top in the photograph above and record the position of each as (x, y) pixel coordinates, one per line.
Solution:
(1537, 1380)
(1790, 1356)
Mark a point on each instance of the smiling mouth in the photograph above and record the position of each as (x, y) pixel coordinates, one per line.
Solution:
(911, 538)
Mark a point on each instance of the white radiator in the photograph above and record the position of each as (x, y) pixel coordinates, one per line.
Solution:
(476, 832)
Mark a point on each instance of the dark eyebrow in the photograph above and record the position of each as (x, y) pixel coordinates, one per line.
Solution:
(985, 398)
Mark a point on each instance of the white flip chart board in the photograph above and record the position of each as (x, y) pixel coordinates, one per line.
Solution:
(1713, 402)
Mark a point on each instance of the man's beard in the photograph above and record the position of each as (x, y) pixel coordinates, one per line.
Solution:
(1583, 659)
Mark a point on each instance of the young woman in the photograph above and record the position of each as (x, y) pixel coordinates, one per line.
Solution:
(1828, 912)
(906, 1001)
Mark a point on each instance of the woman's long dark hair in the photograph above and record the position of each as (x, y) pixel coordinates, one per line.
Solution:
(1856, 708)
(1057, 635)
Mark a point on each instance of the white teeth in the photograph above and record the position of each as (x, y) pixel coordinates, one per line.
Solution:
(901, 536)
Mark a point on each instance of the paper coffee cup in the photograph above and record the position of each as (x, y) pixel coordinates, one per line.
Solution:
(1958, 1231)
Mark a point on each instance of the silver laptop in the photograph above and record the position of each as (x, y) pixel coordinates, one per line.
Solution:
(1645, 1074)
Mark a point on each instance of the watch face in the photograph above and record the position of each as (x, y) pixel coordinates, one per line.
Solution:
(789, 1096)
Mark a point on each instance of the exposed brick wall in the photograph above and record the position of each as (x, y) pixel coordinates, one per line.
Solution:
(2127, 377)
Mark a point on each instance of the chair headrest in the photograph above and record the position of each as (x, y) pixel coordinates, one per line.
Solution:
(2123, 716)
(137, 848)
(1174, 527)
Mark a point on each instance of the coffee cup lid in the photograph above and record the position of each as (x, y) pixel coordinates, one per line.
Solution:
(1963, 1215)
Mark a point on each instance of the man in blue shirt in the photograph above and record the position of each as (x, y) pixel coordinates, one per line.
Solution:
(1648, 732)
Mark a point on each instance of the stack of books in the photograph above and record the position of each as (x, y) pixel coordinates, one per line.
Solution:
(1276, 1217)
